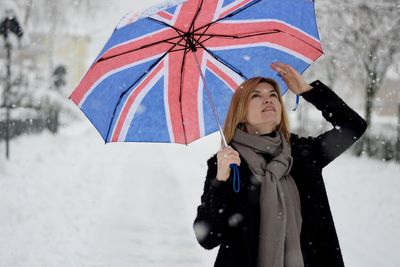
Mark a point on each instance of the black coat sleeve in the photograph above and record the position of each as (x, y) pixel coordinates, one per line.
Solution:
(210, 224)
(348, 126)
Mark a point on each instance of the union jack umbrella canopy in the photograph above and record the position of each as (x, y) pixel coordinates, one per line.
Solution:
(146, 84)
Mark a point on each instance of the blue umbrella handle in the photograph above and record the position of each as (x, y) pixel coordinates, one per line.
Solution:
(297, 102)
(236, 177)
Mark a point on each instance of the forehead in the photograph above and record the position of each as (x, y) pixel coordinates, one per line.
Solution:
(264, 87)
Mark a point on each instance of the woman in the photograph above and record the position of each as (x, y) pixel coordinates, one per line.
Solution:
(281, 216)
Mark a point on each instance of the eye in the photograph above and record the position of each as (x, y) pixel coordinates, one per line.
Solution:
(274, 94)
(254, 95)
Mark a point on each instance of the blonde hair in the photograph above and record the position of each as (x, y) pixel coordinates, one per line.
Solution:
(238, 108)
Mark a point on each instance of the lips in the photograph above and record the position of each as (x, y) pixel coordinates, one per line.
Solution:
(267, 109)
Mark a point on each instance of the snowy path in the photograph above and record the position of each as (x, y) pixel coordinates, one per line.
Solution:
(365, 201)
(140, 214)
(69, 201)
(76, 202)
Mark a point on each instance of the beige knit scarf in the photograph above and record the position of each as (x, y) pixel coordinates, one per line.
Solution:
(280, 215)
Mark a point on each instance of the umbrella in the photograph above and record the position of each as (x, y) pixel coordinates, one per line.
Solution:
(165, 75)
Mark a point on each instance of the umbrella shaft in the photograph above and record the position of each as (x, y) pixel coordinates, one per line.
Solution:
(210, 99)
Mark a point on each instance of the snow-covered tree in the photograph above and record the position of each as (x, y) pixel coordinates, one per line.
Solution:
(370, 31)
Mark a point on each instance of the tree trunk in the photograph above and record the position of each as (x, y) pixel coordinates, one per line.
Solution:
(398, 136)
(369, 101)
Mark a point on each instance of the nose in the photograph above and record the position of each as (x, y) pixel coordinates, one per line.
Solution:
(267, 100)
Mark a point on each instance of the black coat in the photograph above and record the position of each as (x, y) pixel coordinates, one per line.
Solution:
(231, 220)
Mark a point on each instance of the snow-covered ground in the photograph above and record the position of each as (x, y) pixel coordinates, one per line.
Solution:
(68, 200)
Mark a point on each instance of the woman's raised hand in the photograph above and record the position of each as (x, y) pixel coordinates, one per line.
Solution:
(225, 157)
(291, 77)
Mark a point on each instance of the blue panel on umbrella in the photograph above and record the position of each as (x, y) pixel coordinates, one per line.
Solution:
(99, 106)
(131, 31)
(256, 62)
(221, 95)
(149, 124)
(227, 2)
(171, 9)
(294, 12)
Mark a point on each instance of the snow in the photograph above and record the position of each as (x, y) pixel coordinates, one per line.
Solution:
(69, 200)
(364, 198)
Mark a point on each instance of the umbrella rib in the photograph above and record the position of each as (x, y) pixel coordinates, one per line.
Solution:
(258, 34)
(202, 34)
(239, 36)
(133, 84)
(195, 16)
(224, 62)
(165, 24)
(180, 89)
(178, 31)
(301, 40)
(177, 44)
(179, 49)
(205, 40)
(207, 26)
(142, 47)
(229, 15)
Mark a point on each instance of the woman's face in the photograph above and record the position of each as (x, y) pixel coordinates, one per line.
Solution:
(263, 110)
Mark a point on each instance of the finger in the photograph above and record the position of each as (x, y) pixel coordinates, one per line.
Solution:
(278, 63)
(229, 150)
(290, 69)
(226, 161)
(235, 161)
(232, 151)
(232, 159)
(231, 154)
(220, 155)
(223, 156)
(227, 154)
(279, 67)
(276, 66)
(225, 150)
